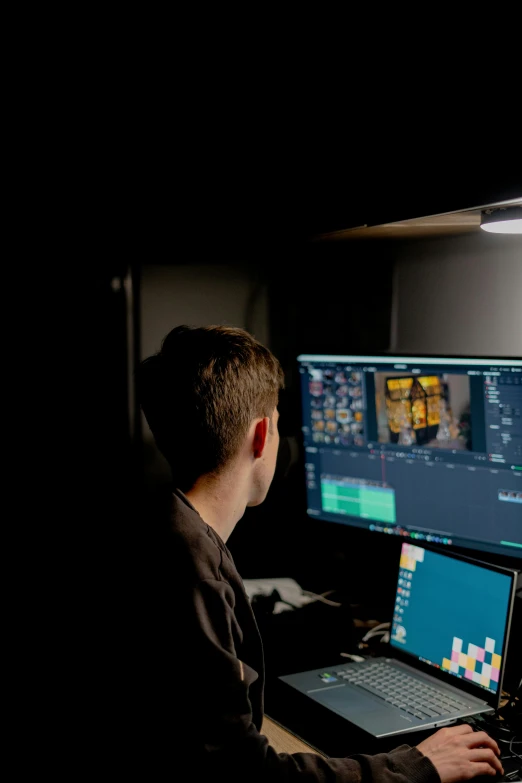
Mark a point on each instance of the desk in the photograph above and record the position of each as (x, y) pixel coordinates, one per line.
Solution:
(283, 740)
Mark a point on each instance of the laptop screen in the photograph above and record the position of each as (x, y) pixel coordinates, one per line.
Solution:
(453, 615)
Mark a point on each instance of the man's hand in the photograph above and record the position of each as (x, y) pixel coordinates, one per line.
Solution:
(459, 753)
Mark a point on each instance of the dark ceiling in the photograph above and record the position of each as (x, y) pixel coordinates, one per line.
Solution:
(242, 195)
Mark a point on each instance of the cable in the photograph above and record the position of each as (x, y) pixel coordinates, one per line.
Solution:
(378, 630)
(318, 597)
(380, 627)
(511, 747)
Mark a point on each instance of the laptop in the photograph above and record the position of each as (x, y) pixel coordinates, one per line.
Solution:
(446, 655)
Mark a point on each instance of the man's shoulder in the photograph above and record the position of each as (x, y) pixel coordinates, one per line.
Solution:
(186, 525)
(191, 544)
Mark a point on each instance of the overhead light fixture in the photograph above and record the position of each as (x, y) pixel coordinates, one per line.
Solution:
(502, 220)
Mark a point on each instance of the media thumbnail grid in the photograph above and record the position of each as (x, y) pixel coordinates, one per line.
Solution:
(337, 406)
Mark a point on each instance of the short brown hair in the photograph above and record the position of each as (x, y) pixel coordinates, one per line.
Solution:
(200, 394)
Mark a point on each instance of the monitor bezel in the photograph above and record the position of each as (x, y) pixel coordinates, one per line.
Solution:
(400, 355)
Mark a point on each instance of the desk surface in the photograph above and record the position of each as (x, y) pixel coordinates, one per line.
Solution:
(283, 740)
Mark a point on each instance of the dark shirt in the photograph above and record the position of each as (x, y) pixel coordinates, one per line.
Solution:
(202, 675)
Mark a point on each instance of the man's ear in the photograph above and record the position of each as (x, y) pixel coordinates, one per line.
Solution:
(260, 436)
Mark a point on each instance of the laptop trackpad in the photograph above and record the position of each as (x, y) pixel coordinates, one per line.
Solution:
(347, 701)
(374, 716)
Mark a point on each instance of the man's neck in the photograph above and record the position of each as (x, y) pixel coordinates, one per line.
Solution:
(220, 501)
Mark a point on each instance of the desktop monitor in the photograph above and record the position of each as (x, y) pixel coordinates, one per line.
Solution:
(425, 447)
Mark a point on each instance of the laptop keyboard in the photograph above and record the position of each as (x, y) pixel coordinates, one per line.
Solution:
(401, 690)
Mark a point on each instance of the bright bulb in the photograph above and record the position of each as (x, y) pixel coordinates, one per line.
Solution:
(504, 226)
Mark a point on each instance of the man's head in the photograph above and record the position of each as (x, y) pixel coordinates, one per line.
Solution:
(201, 394)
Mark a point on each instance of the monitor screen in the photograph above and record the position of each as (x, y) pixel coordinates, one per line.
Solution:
(425, 447)
(453, 615)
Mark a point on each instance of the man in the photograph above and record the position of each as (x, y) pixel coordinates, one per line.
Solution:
(210, 397)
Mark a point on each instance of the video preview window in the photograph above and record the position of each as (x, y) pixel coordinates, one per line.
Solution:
(430, 410)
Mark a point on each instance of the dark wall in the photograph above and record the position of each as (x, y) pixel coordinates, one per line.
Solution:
(337, 300)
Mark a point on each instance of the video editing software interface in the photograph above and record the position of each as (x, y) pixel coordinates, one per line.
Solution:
(423, 447)
(452, 614)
